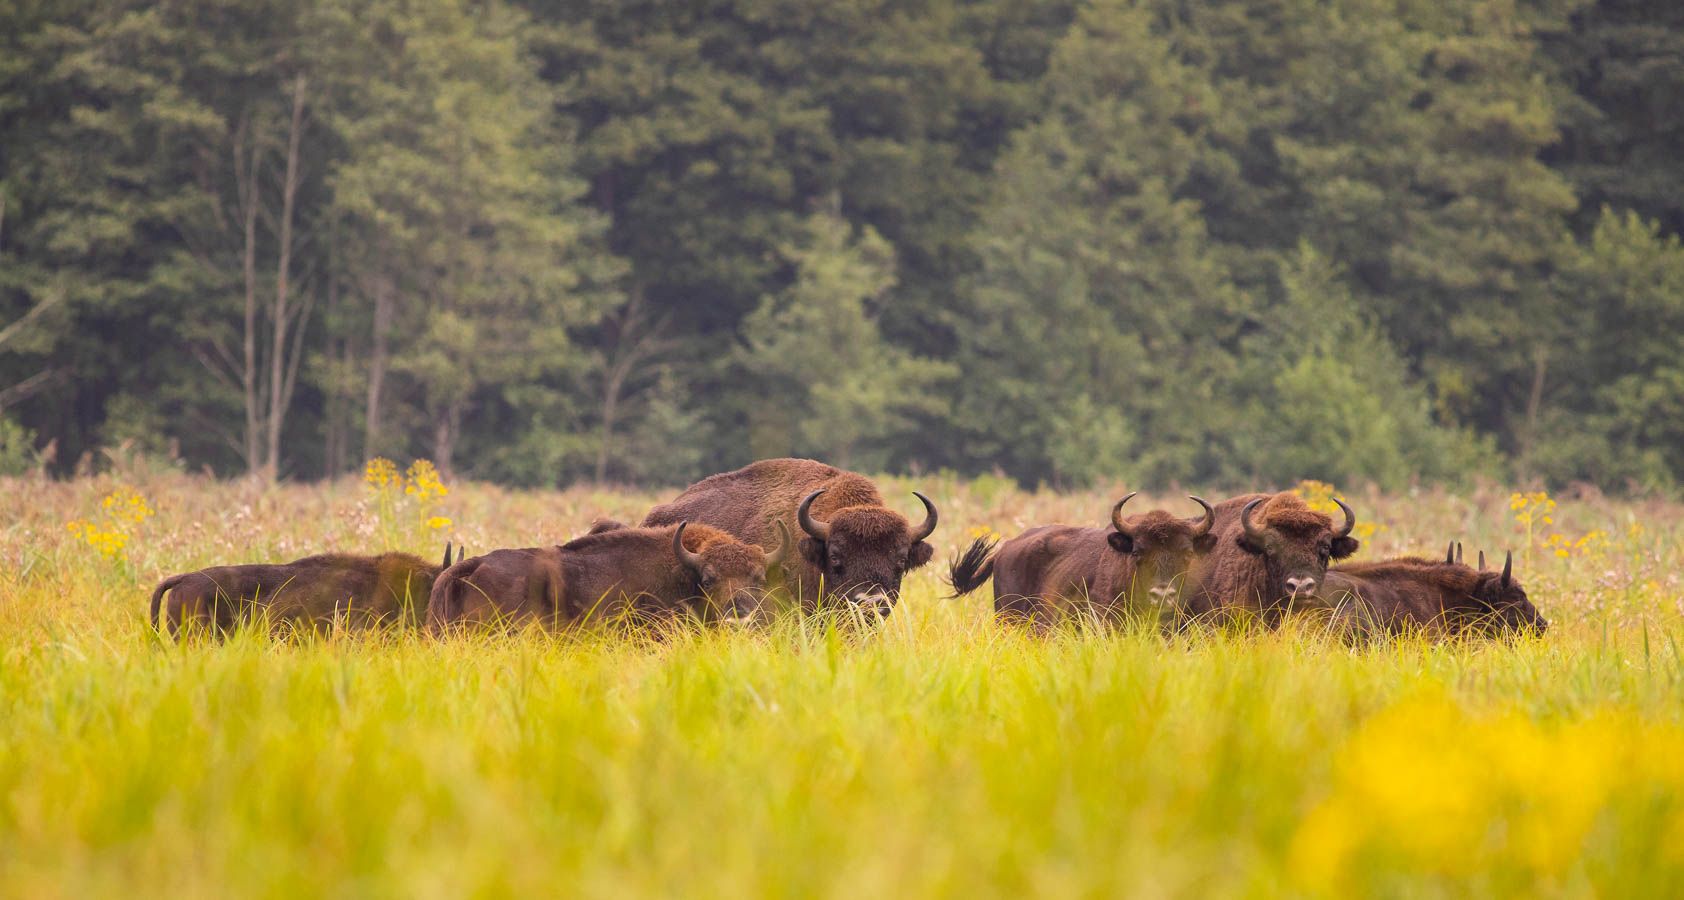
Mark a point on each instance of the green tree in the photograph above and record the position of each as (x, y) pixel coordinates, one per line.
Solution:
(1100, 315)
(828, 384)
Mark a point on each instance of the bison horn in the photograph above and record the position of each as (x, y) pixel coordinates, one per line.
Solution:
(1508, 567)
(804, 515)
(784, 540)
(1458, 553)
(447, 554)
(1251, 530)
(1350, 518)
(1202, 525)
(691, 561)
(1482, 560)
(1449, 553)
(1117, 513)
(929, 527)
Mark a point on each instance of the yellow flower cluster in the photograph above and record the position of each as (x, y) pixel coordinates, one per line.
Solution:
(423, 481)
(381, 473)
(120, 512)
(109, 543)
(1429, 788)
(1534, 508)
(1318, 495)
(127, 505)
(421, 489)
(1591, 543)
(983, 531)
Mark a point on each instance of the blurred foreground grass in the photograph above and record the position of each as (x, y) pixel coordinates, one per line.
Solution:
(939, 754)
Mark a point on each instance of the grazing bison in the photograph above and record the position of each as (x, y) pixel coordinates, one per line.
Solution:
(610, 574)
(1135, 568)
(1271, 549)
(855, 547)
(1411, 594)
(355, 591)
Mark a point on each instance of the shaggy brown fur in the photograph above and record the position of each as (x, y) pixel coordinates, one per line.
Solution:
(1411, 594)
(870, 546)
(1247, 576)
(608, 575)
(355, 591)
(1108, 575)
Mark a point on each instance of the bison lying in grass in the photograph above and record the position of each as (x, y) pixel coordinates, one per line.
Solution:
(614, 573)
(1134, 569)
(1415, 595)
(316, 591)
(855, 548)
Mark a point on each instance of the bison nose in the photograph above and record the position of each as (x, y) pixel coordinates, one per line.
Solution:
(872, 600)
(1162, 594)
(1301, 585)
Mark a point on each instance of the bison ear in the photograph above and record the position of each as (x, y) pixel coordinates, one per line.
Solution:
(1120, 542)
(1345, 546)
(1247, 545)
(1204, 543)
(812, 550)
(919, 554)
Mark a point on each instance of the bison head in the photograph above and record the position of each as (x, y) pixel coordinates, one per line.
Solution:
(1163, 548)
(1502, 603)
(1295, 542)
(864, 550)
(730, 575)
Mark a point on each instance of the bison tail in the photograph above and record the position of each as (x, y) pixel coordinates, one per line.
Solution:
(158, 595)
(972, 568)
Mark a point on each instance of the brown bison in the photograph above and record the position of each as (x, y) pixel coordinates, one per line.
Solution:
(1271, 549)
(855, 548)
(1134, 569)
(610, 574)
(354, 591)
(1411, 594)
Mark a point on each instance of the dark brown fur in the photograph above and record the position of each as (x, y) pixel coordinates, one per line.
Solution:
(357, 591)
(608, 575)
(1239, 575)
(870, 546)
(1052, 573)
(1411, 594)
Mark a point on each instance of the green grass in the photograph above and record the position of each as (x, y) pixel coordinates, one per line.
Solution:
(940, 754)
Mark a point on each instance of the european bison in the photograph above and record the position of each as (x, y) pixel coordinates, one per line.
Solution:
(355, 591)
(610, 574)
(1135, 568)
(1411, 594)
(855, 547)
(1271, 549)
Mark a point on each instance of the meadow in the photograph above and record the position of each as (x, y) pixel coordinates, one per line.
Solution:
(937, 754)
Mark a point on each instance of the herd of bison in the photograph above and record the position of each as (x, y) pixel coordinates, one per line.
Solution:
(724, 551)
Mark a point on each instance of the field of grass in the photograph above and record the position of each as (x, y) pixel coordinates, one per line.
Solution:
(939, 754)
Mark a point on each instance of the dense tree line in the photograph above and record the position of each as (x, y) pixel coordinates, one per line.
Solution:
(1230, 241)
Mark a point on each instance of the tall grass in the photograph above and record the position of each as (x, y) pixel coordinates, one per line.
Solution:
(937, 754)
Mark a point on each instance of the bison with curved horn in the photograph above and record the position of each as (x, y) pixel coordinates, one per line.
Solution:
(855, 548)
(1134, 569)
(617, 574)
(1440, 599)
(1272, 550)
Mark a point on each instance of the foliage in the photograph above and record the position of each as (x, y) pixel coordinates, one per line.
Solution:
(1239, 241)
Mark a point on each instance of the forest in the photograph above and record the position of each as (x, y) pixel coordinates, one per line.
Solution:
(1229, 242)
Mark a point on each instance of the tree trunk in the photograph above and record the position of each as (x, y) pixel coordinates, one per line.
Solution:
(245, 183)
(446, 427)
(1534, 403)
(281, 381)
(377, 361)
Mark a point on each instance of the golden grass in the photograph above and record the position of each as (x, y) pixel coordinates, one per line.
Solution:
(940, 754)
